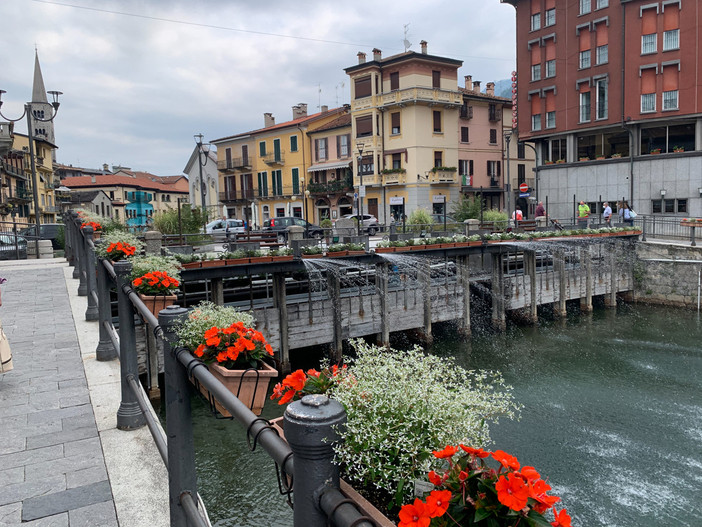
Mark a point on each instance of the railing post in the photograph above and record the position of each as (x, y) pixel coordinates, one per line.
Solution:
(643, 233)
(91, 312)
(311, 429)
(182, 477)
(693, 243)
(68, 247)
(105, 349)
(129, 415)
(75, 242)
(82, 264)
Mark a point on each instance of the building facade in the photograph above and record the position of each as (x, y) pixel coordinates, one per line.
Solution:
(609, 93)
(210, 177)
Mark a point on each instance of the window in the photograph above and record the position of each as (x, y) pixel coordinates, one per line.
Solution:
(648, 102)
(464, 166)
(435, 79)
(585, 6)
(465, 138)
(466, 111)
(293, 143)
(438, 158)
(492, 113)
(296, 180)
(670, 100)
(648, 43)
(362, 87)
(521, 174)
(493, 170)
(437, 122)
(493, 136)
(585, 59)
(602, 96)
(550, 17)
(277, 181)
(395, 123)
(536, 21)
(343, 145)
(601, 4)
(536, 72)
(669, 206)
(320, 149)
(395, 81)
(397, 161)
(602, 54)
(550, 68)
(262, 148)
(364, 126)
(262, 184)
(671, 39)
(536, 122)
(367, 166)
(550, 119)
(521, 151)
(585, 107)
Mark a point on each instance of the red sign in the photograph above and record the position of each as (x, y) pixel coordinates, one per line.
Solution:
(523, 187)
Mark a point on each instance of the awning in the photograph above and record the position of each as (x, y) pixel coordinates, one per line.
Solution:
(329, 166)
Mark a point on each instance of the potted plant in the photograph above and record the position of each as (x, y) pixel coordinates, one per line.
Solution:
(236, 257)
(211, 261)
(118, 245)
(468, 491)
(97, 227)
(560, 161)
(655, 151)
(584, 158)
(678, 149)
(233, 350)
(187, 261)
(312, 251)
(282, 254)
(156, 280)
(616, 156)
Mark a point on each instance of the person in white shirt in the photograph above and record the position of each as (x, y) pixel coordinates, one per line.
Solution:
(517, 214)
(607, 214)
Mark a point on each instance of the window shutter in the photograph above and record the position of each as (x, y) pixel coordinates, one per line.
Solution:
(499, 173)
(316, 149)
(649, 19)
(437, 121)
(470, 167)
(550, 101)
(550, 49)
(648, 81)
(436, 79)
(338, 146)
(535, 55)
(395, 81)
(364, 126)
(671, 17)
(602, 34)
(585, 40)
(296, 180)
(395, 118)
(362, 87)
(670, 78)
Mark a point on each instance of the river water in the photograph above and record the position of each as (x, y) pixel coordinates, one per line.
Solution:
(612, 416)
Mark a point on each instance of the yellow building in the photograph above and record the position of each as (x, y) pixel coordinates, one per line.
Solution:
(262, 171)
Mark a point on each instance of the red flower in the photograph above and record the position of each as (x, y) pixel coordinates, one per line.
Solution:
(414, 515)
(505, 459)
(512, 492)
(437, 502)
(530, 473)
(296, 380)
(477, 452)
(447, 452)
(435, 479)
(562, 518)
(462, 476)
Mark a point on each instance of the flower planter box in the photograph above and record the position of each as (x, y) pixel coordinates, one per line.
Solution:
(356, 253)
(249, 386)
(448, 245)
(261, 259)
(433, 246)
(212, 263)
(286, 258)
(691, 223)
(237, 261)
(158, 302)
(337, 254)
(191, 265)
(407, 248)
(308, 256)
(381, 250)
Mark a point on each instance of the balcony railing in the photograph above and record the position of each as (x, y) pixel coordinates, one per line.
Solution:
(395, 178)
(21, 194)
(274, 159)
(442, 176)
(419, 94)
(234, 163)
(331, 187)
(237, 195)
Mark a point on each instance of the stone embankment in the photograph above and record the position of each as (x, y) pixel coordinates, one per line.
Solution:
(667, 273)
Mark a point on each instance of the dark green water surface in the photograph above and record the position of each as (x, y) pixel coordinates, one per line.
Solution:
(612, 416)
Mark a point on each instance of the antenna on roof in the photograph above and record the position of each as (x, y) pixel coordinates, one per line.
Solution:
(342, 84)
(319, 96)
(406, 42)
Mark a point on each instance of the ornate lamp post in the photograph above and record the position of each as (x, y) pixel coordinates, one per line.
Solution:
(203, 183)
(305, 196)
(361, 189)
(30, 136)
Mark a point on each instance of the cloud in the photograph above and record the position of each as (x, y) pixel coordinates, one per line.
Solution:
(136, 88)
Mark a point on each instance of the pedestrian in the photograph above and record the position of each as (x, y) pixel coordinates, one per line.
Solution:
(607, 214)
(583, 215)
(517, 214)
(625, 213)
(540, 210)
(5, 352)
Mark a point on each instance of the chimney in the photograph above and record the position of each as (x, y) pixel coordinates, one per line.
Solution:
(377, 54)
(468, 82)
(92, 179)
(361, 57)
(299, 110)
(423, 43)
(490, 88)
(268, 120)
(476, 86)
(105, 168)
(325, 108)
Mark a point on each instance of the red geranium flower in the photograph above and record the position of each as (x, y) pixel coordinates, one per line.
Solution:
(438, 502)
(562, 518)
(505, 459)
(512, 492)
(447, 452)
(477, 452)
(414, 515)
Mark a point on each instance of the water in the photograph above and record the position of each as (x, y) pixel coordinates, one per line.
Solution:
(612, 415)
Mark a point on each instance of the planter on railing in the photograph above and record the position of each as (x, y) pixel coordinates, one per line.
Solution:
(249, 386)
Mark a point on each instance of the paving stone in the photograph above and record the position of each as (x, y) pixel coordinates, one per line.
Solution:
(61, 437)
(10, 445)
(10, 514)
(59, 413)
(78, 421)
(62, 466)
(11, 476)
(102, 514)
(75, 400)
(28, 457)
(73, 382)
(58, 520)
(56, 503)
(86, 476)
(31, 489)
(84, 447)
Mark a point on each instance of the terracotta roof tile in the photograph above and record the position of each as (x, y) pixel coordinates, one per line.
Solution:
(140, 180)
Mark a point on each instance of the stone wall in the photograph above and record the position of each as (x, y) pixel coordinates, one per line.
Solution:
(670, 282)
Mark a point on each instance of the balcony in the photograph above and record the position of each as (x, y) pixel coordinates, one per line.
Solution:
(442, 175)
(274, 159)
(50, 209)
(394, 177)
(420, 95)
(21, 194)
(331, 187)
(234, 163)
(237, 195)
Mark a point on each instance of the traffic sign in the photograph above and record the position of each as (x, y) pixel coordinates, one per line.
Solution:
(523, 187)
(524, 194)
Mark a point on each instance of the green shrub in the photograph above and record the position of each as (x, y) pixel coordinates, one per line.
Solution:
(418, 219)
(192, 220)
(497, 216)
(467, 208)
(326, 223)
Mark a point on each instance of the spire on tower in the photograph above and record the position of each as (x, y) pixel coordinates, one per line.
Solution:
(38, 90)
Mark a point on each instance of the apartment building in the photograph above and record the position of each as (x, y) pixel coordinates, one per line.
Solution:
(609, 93)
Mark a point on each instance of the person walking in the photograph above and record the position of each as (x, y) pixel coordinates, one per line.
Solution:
(540, 210)
(583, 215)
(517, 214)
(607, 214)
(625, 213)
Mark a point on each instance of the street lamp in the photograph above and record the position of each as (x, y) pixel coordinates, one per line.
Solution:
(305, 196)
(30, 136)
(508, 138)
(361, 188)
(203, 184)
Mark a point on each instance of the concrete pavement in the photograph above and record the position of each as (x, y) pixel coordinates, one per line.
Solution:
(62, 460)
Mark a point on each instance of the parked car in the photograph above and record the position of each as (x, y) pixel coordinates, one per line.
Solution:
(219, 228)
(11, 249)
(370, 222)
(47, 231)
(281, 225)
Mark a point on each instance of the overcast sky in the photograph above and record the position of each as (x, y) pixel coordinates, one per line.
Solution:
(141, 77)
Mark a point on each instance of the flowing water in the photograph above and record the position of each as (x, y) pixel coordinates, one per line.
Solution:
(612, 416)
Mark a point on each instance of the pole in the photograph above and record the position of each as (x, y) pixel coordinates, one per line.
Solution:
(508, 197)
(35, 189)
(203, 185)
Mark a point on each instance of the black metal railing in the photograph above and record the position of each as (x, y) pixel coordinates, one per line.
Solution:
(312, 479)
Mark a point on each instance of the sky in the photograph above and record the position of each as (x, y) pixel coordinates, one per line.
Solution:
(141, 77)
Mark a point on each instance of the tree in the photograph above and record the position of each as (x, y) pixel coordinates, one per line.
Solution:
(468, 208)
(166, 221)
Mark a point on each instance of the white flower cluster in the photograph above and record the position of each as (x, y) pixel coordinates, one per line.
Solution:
(203, 317)
(402, 405)
(147, 264)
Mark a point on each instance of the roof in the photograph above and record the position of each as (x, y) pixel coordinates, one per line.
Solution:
(139, 180)
(400, 57)
(481, 95)
(339, 122)
(85, 195)
(294, 122)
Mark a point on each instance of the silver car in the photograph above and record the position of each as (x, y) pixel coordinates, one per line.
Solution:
(219, 228)
(370, 222)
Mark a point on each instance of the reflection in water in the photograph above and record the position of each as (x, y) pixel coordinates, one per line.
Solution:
(612, 415)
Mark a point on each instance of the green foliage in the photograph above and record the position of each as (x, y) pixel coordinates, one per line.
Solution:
(312, 249)
(418, 219)
(112, 225)
(191, 218)
(467, 208)
(61, 237)
(497, 216)
(147, 264)
(326, 223)
(117, 236)
(206, 315)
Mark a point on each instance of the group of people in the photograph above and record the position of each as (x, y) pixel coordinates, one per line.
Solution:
(626, 213)
(519, 216)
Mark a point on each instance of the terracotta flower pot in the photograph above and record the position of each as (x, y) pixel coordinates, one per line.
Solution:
(285, 258)
(249, 386)
(307, 256)
(156, 303)
(191, 265)
(212, 263)
(381, 250)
